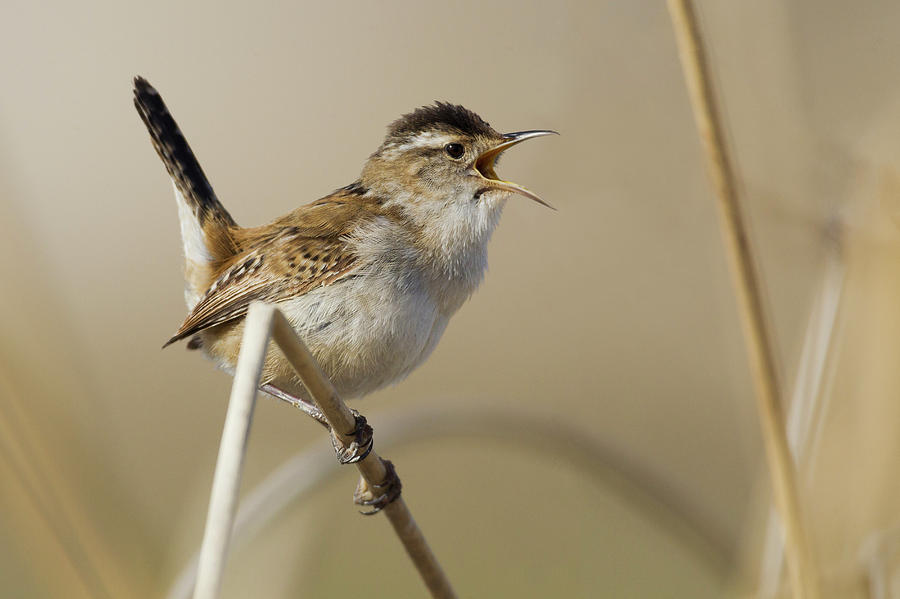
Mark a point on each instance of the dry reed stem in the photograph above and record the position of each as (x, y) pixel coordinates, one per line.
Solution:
(227, 478)
(804, 580)
(372, 468)
(264, 322)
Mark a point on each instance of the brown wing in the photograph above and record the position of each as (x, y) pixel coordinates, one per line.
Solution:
(284, 264)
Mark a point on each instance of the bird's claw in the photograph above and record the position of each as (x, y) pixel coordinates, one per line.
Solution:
(380, 495)
(361, 445)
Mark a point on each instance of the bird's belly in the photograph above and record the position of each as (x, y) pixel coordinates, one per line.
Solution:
(366, 332)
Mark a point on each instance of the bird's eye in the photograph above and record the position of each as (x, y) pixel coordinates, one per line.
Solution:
(454, 150)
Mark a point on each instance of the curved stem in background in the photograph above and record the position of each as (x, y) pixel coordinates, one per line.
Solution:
(300, 476)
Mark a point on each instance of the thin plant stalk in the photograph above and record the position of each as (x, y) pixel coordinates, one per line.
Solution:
(372, 467)
(264, 322)
(804, 580)
(232, 449)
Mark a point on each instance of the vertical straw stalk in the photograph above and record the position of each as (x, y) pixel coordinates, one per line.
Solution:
(230, 463)
(804, 580)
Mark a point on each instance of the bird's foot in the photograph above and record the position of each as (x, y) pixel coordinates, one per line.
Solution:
(380, 495)
(362, 441)
(361, 445)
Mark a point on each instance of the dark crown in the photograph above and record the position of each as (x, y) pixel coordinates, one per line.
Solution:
(440, 115)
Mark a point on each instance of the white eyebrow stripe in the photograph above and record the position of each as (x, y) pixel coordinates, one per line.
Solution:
(427, 139)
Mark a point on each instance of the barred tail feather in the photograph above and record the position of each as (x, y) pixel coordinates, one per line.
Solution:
(179, 159)
(206, 227)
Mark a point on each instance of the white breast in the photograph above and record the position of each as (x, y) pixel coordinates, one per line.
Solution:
(373, 328)
(370, 330)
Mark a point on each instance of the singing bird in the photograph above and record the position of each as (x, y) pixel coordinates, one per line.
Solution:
(368, 275)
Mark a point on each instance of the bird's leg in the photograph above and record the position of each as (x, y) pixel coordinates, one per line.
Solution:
(304, 405)
(358, 449)
(378, 496)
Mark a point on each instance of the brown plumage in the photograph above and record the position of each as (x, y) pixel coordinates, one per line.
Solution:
(298, 252)
(290, 257)
(368, 275)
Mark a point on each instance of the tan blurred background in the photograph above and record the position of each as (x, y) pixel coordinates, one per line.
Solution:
(611, 320)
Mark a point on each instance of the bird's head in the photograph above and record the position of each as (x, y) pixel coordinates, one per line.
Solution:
(443, 157)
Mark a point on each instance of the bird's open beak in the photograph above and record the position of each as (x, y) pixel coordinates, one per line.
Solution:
(484, 164)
